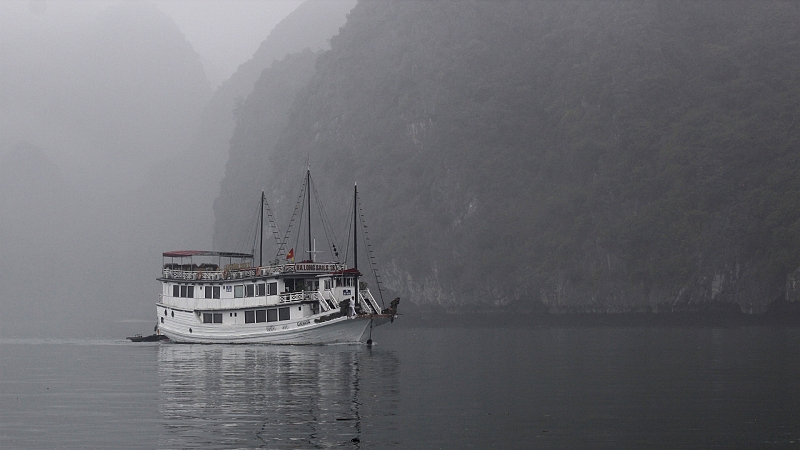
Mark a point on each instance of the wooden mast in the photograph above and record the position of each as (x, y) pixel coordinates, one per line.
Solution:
(356, 292)
(261, 233)
(308, 194)
(355, 226)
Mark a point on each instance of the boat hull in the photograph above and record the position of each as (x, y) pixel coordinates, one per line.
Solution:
(185, 328)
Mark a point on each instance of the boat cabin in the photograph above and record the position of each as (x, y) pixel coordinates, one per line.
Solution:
(225, 288)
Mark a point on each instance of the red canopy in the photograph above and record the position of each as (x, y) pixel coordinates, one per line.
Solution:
(186, 253)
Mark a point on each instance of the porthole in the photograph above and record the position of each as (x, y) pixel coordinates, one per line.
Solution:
(299, 308)
(165, 312)
(190, 330)
(162, 320)
(173, 313)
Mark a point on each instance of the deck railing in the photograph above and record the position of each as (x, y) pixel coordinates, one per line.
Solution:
(252, 272)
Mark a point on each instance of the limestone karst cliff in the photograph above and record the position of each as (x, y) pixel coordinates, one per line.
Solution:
(580, 156)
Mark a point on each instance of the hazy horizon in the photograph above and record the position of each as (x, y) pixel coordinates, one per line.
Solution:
(224, 33)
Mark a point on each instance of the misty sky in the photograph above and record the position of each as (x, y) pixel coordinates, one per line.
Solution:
(225, 33)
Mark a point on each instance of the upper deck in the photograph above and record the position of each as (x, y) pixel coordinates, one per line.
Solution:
(182, 265)
(193, 272)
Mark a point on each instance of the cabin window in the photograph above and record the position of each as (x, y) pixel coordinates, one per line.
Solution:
(176, 290)
(272, 288)
(209, 292)
(261, 290)
(261, 315)
(327, 285)
(249, 290)
(283, 313)
(212, 317)
(216, 291)
(238, 291)
(272, 315)
(183, 291)
(190, 291)
(312, 285)
(344, 282)
(249, 317)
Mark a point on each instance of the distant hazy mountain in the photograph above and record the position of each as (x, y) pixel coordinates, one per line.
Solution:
(106, 98)
(261, 118)
(577, 156)
(310, 26)
(87, 109)
(38, 223)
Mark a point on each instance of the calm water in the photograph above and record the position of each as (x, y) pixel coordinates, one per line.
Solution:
(455, 387)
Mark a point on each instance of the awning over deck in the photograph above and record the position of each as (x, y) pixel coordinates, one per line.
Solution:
(187, 253)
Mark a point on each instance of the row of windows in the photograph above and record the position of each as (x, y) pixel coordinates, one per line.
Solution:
(266, 315)
(249, 290)
(187, 291)
(239, 291)
(183, 291)
(255, 290)
(212, 317)
(253, 316)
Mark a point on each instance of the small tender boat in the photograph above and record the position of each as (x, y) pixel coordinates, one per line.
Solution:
(223, 297)
(151, 338)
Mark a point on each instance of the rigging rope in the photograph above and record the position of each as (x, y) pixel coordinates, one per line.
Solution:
(373, 263)
(282, 246)
(330, 236)
(244, 240)
(273, 225)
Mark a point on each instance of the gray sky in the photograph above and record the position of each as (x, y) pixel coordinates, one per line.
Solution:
(225, 33)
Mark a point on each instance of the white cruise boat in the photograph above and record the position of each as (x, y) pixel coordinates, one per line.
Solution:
(222, 297)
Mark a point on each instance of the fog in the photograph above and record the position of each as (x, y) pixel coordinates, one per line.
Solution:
(102, 157)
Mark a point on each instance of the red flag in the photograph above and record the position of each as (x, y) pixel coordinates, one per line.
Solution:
(290, 255)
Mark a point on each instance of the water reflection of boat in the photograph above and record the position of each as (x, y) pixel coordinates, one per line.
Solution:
(204, 300)
(275, 397)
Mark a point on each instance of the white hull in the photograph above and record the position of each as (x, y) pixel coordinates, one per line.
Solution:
(185, 327)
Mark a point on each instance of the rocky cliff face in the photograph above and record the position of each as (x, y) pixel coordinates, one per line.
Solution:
(581, 156)
(310, 26)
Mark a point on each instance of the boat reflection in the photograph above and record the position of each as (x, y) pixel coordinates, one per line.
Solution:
(276, 397)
